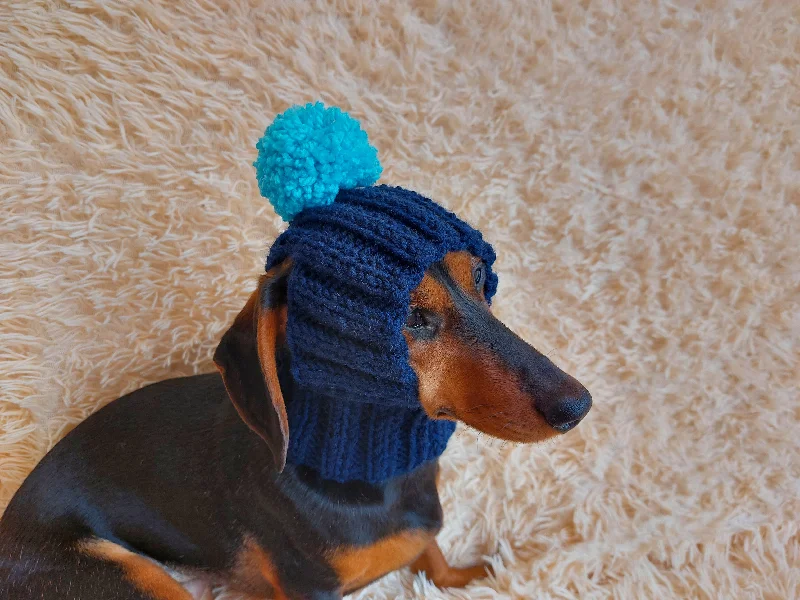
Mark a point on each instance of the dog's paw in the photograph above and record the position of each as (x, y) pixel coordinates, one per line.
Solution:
(458, 578)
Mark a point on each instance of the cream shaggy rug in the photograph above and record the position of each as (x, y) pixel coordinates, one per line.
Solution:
(635, 163)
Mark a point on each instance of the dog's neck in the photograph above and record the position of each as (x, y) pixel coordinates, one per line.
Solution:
(344, 439)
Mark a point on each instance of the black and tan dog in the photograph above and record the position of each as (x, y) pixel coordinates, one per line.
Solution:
(189, 475)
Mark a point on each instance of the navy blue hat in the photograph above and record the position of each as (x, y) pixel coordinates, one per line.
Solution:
(358, 251)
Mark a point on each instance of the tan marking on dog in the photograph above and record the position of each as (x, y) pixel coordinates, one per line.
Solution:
(433, 563)
(460, 266)
(256, 573)
(140, 571)
(431, 295)
(357, 566)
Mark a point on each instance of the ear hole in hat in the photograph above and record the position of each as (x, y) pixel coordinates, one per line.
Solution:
(246, 358)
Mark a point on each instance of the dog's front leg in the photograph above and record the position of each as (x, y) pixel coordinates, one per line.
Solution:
(311, 596)
(433, 563)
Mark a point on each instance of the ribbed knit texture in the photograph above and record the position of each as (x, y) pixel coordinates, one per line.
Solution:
(355, 413)
(345, 440)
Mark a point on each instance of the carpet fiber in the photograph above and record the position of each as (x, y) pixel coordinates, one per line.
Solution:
(635, 163)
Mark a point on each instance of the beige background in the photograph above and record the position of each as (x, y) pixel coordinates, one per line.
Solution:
(635, 163)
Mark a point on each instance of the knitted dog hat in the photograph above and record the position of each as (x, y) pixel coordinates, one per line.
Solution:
(358, 251)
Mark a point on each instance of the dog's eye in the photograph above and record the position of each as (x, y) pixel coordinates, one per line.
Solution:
(423, 324)
(416, 319)
(479, 276)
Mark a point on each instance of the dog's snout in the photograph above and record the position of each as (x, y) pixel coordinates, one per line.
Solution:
(565, 413)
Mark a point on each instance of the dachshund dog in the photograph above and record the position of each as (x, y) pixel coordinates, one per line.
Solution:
(186, 478)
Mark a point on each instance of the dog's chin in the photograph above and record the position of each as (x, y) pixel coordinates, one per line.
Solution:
(509, 432)
(522, 436)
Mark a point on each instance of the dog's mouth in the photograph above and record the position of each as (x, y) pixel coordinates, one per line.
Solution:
(507, 430)
(445, 413)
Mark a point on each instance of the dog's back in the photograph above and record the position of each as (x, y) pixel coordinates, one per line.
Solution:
(170, 473)
(132, 473)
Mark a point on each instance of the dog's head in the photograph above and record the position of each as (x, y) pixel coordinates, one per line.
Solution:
(470, 367)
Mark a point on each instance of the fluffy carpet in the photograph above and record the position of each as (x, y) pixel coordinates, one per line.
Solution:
(635, 163)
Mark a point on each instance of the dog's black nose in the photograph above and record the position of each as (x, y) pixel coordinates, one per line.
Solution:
(565, 413)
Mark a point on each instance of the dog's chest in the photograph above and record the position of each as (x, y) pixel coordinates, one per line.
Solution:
(370, 531)
(386, 539)
(356, 566)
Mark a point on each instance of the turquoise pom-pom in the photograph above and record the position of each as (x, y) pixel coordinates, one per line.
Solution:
(308, 154)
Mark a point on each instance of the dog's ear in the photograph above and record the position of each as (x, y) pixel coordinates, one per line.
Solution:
(246, 358)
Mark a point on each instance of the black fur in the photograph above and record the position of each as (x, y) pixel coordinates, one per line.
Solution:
(171, 471)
